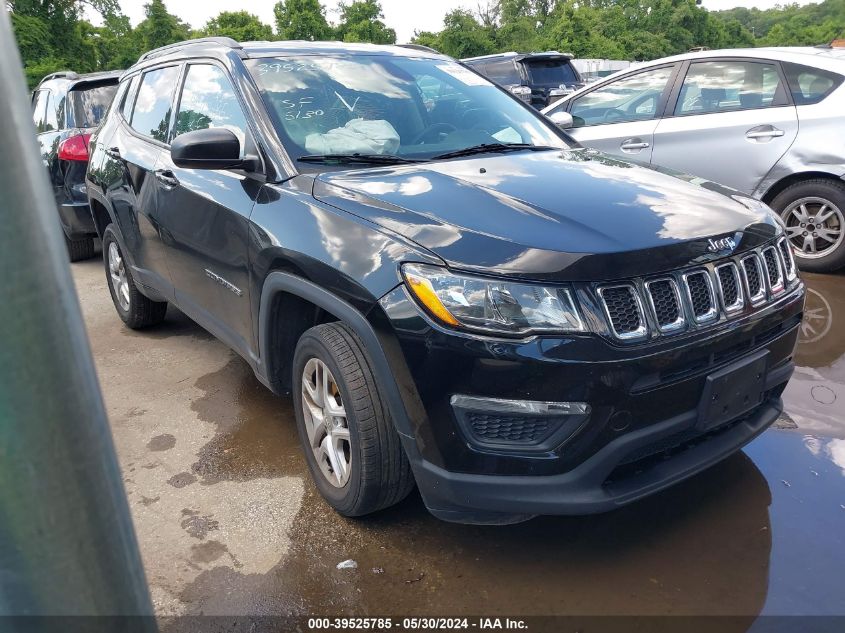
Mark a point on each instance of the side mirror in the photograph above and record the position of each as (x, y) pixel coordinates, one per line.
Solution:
(562, 119)
(212, 148)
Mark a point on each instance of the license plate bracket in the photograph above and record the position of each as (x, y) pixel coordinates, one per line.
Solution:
(733, 390)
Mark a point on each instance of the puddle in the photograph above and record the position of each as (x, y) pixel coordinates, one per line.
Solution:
(256, 431)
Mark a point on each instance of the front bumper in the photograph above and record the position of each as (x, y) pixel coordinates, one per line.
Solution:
(76, 220)
(656, 388)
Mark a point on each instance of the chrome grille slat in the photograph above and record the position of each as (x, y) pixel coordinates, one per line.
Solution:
(664, 297)
(774, 272)
(699, 288)
(730, 288)
(752, 273)
(624, 311)
(787, 259)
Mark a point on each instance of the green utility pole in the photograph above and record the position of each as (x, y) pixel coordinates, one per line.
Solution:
(67, 546)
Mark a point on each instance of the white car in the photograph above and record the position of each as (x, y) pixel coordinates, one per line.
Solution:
(769, 122)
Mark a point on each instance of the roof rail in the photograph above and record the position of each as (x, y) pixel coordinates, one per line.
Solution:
(420, 47)
(161, 50)
(62, 74)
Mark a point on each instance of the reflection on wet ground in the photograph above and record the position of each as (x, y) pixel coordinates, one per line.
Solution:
(762, 532)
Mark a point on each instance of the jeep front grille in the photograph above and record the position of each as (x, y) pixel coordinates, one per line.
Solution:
(700, 296)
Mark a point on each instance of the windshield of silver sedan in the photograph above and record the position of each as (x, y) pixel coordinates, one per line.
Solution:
(333, 110)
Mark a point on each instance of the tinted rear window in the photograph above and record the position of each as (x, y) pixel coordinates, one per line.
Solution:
(151, 116)
(810, 85)
(90, 104)
(551, 72)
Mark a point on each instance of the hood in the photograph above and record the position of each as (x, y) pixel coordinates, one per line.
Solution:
(573, 214)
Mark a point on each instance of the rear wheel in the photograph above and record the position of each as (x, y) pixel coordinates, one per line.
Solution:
(134, 309)
(80, 249)
(814, 214)
(353, 452)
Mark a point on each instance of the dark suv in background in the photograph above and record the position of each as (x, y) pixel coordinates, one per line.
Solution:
(456, 294)
(66, 107)
(538, 79)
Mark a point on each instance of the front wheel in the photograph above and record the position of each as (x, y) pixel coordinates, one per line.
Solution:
(814, 214)
(134, 309)
(353, 452)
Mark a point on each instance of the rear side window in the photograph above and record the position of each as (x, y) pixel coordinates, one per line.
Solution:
(722, 86)
(91, 104)
(51, 119)
(810, 85)
(39, 108)
(503, 72)
(209, 100)
(151, 115)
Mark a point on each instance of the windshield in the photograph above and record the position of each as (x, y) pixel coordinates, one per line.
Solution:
(385, 105)
(91, 104)
(551, 72)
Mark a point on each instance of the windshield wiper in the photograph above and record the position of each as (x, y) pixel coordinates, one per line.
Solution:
(364, 159)
(493, 147)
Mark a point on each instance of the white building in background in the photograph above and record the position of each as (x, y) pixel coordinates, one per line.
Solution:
(592, 69)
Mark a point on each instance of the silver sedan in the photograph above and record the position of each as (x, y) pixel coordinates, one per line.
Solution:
(768, 122)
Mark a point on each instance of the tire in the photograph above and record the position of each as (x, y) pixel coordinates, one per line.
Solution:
(80, 249)
(134, 309)
(378, 472)
(804, 201)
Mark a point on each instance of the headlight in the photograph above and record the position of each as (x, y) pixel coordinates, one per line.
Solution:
(492, 305)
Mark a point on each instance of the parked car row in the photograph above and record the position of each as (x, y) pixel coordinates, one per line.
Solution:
(768, 122)
(66, 108)
(458, 295)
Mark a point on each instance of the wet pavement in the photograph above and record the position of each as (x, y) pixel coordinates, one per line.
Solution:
(229, 522)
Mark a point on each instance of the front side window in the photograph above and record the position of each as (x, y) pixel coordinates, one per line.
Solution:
(208, 100)
(810, 85)
(151, 116)
(91, 104)
(632, 98)
(413, 108)
(39, 109)
(722, 86)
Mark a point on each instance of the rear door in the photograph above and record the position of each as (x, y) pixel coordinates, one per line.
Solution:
(619, 117)
(129, 168)
(729, 120)
(205, 213)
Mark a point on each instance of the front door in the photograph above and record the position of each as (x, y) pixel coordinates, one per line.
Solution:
(205, 213)
(620, 117)
(731, 122)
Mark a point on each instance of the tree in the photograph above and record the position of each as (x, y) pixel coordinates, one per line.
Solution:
(160, 27)
(362, 21)
(301, 20)
(462, 36)
(239, 25)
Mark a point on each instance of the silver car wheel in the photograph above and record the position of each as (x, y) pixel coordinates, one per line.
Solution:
(814, 227)
(326, 423)
(117, 276)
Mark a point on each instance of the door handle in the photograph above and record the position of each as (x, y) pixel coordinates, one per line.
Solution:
(113, 152)
(166, 178)
(633, 145)
(766, 132)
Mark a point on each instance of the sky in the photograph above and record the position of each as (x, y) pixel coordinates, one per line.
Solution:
(406, 16)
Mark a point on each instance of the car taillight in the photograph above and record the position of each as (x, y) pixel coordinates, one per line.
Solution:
(74, 147)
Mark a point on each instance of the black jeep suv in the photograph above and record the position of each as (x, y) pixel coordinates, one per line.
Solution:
(456, 294)
(538, 79)
(66, 107)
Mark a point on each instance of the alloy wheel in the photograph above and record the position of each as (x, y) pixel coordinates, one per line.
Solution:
(326, 422)
(117, 276)
(814, 227)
